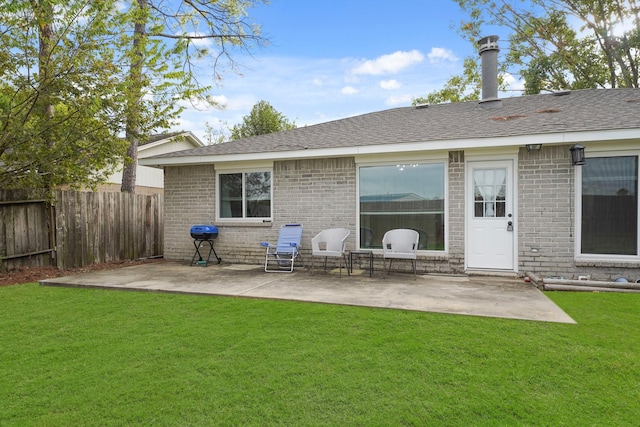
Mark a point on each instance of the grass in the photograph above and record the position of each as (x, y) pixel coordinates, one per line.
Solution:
(109, 358)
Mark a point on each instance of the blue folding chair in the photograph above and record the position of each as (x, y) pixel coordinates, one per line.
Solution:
(282, 256)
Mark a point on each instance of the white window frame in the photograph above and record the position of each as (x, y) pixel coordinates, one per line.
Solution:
(579, 256)
(369, 162)
(244, 172)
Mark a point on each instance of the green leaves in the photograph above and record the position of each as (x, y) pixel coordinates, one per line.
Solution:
(262, 119)
(458, 88)
(561, 44)
(552, 45)
(166, 46)
(59, 104)
(75, 76)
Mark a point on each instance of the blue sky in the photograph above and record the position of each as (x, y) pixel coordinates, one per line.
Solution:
(332, 59)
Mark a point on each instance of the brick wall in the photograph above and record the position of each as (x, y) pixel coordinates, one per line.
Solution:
(546, 211)
(547, 220)
(455, 262)
(189, 200)
(321, 193)
(317, 193)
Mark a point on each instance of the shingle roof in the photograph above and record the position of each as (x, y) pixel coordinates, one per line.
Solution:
(575, 111)
(161, 136)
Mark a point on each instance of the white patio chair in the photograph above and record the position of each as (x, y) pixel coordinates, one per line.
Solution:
(400, 243)
(330, 243)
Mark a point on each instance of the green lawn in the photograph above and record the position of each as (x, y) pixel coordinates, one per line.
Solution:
(71, 357)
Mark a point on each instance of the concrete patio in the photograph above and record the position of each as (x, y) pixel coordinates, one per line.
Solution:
(489, 296)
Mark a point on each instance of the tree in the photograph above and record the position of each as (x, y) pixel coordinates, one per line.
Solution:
(76, 74)
(165, 47)
(215, 135)
(547, 49)
(60, 98)
(458, 88)
(262, 119)
(552, 53)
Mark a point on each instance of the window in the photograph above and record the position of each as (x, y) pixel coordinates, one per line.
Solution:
(609, 206)
(402, 196)
(489, 193)
(244, 195)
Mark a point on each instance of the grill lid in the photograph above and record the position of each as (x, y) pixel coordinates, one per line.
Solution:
(204, 231)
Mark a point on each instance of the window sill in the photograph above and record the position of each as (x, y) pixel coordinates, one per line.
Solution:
(607, 263)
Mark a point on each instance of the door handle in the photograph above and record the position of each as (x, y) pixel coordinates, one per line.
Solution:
(510, 226)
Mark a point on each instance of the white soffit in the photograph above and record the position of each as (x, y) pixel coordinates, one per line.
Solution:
(244, 165)
(397, 148)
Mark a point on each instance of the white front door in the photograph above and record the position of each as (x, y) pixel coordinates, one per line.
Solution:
(490, 215)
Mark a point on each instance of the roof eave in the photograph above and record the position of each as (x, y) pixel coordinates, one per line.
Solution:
(424, 146)
(187, 136)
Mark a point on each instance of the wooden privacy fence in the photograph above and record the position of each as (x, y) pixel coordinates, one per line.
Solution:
(79, 229)
(25, 238)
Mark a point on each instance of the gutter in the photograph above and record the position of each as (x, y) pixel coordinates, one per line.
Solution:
(558, 138)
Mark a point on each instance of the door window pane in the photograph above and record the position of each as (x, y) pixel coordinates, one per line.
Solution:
(402, 196)
(610, 206)
(490, 189)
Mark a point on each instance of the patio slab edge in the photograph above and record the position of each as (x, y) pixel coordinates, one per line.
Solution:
(484, 296)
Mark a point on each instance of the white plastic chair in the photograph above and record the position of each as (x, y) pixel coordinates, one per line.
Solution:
(400, 243)
(330, 243)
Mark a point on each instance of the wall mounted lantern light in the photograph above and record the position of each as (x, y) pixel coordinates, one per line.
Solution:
(577, 155)
(533, 147)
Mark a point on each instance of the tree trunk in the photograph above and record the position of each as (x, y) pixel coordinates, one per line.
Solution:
(129, 171)
(44, 14)
(133, 131)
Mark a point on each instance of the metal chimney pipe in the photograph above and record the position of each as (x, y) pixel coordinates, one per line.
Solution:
(489, 56)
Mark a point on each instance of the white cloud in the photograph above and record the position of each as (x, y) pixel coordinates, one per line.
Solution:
(438, 54)
(617, 29)
(350, 78)
(243, 103)
(121, 6)
(512, 83)
(623, 27)
(349, 90)
(389, 64)
(201, 43)
(291, 85)
(390, 84)
(220, 100)
(398, 100)
(196, 104)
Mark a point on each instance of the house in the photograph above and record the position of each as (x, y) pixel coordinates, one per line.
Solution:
(151, 180)
(499, 185)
